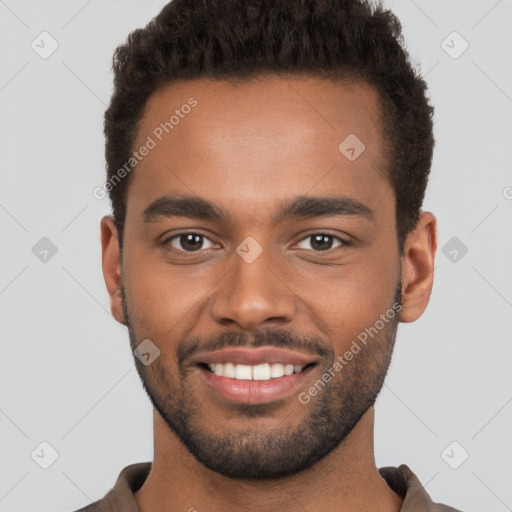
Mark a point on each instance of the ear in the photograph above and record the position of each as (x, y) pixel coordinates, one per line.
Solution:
(111, 263)
(418, 267)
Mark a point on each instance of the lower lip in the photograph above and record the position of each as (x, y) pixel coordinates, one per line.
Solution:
(255, 391)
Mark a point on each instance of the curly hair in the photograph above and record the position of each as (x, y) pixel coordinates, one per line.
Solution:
(241, 39)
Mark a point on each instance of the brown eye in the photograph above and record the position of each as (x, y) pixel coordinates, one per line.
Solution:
(187, 242)
(323, 241)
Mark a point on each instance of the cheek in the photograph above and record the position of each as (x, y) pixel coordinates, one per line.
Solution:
(354, 299)
(164, 299)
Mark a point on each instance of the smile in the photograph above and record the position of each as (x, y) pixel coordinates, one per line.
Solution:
(265, 371)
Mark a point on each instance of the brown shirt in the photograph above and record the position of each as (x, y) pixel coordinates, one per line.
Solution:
(402, 480)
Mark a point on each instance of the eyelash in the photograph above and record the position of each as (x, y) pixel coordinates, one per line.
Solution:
(166, 242)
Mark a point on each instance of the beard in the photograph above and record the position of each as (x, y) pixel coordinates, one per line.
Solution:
(283, 450)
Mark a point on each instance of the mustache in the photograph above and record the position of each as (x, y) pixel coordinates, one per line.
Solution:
(264, 337)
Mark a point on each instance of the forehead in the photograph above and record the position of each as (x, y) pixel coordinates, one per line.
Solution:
(264, 106)
(271, 135)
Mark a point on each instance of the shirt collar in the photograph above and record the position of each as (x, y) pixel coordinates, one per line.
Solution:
(400, 479)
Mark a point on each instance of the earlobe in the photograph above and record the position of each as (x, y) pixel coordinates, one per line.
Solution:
(111, 264)
(418, 268)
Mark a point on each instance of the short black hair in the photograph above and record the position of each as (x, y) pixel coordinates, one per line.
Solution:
(244, 39)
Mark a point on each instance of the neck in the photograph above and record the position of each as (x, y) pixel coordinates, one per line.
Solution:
(345, 480)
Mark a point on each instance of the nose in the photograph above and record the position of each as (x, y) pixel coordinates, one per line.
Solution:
(253, 294)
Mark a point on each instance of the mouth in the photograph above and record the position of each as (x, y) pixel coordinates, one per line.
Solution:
(254, 376)
(260, 372)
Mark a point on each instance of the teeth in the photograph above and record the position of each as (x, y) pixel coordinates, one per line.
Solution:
(276, 370)
(242, 371)
(263, 371)
(228, 370)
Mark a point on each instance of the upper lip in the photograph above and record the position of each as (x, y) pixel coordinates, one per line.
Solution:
(254, 356)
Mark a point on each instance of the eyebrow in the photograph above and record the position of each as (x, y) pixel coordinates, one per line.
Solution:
(299, 207)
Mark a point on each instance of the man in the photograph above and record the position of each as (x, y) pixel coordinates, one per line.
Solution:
(267, 162)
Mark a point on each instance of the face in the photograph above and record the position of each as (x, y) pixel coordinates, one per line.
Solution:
(260, 236)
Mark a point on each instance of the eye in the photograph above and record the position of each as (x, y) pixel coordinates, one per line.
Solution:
(187, 242)
(323, 241)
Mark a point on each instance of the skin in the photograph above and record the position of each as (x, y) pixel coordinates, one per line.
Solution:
(247, 148)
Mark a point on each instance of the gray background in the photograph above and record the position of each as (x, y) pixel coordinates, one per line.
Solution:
(67, 376)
